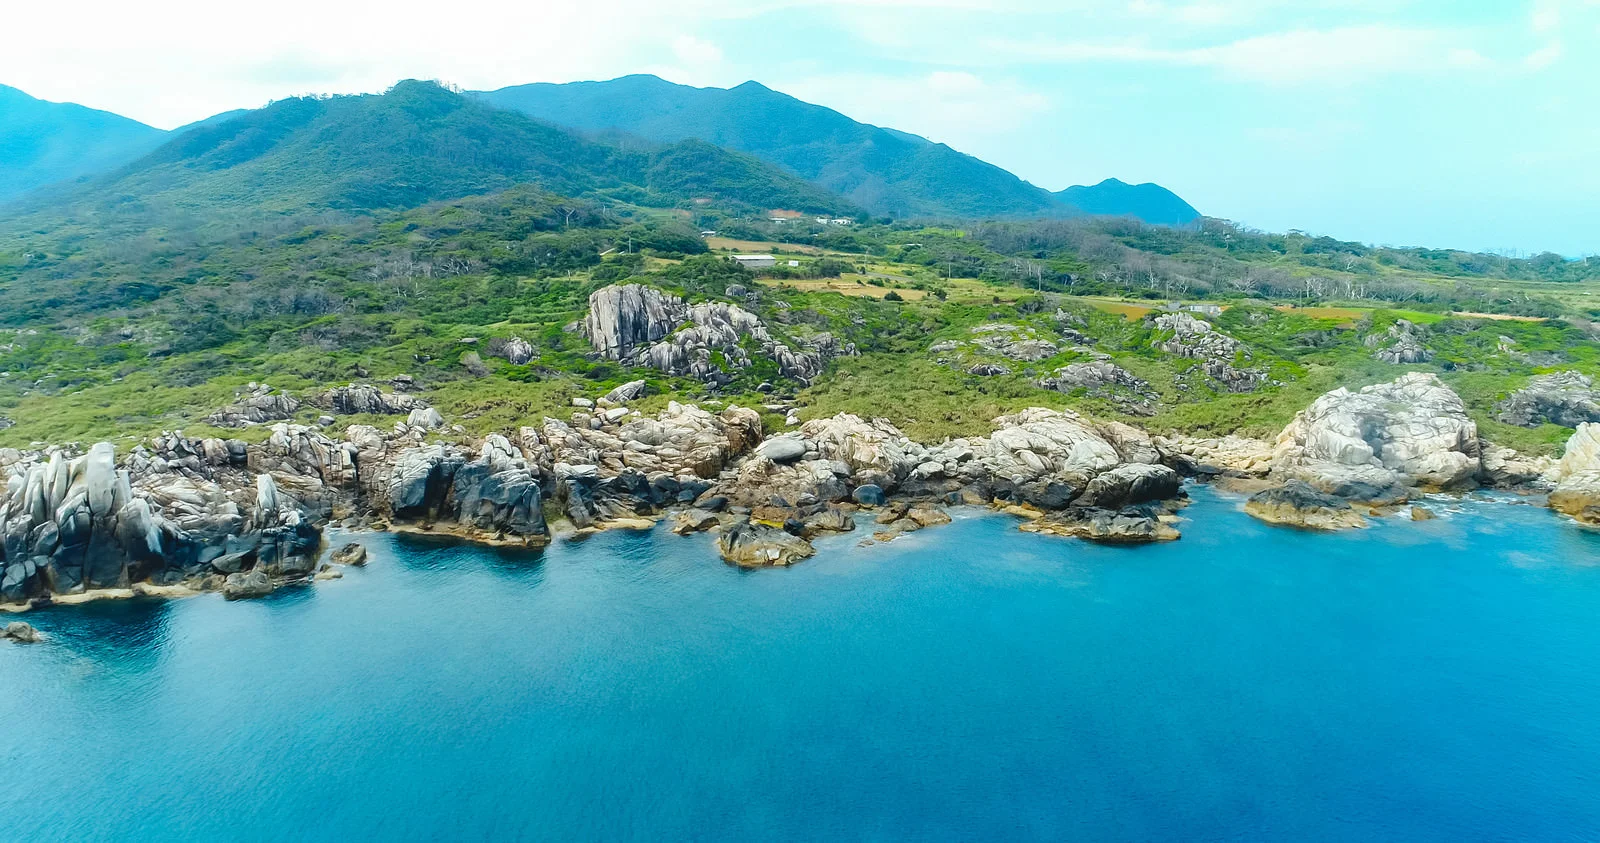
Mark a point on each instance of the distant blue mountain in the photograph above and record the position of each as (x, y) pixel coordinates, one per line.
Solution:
(884, 170)
(45, 142)
(1149, 202)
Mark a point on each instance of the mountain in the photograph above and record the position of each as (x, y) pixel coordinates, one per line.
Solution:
(419, 143)
(1149, 202)
(884, 170)
(45, 142)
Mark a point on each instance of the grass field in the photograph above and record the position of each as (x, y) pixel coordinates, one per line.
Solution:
(847, 285)
(746, 247)
(1127, 310)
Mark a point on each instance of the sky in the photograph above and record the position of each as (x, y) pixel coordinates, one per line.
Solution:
(1460, 124)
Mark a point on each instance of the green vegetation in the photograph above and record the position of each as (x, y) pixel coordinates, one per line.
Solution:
(323, 241)
(890, 173)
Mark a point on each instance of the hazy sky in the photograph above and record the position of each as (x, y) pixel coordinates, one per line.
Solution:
(1463, 123)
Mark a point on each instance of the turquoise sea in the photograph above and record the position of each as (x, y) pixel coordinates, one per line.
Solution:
(1437, 680)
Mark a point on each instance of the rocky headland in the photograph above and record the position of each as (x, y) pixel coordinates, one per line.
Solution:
(186, 515)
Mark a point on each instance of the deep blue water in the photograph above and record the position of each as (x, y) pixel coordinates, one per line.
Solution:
(1429, 681)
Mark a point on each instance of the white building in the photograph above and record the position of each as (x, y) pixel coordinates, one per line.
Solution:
(755, 261)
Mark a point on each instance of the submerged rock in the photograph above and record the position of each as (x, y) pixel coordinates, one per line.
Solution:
(752, 545)
(248, 585)
(20, 632)
(351, 554)
(1297, 504)
(1134, 525)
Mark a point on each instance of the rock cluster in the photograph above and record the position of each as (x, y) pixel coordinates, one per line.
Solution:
(644, 326)
(1567, 399)
(1104, 379)
(1013, 342)
(1401, 344)
(1218, 355)
(366, 399)
(75, 522)
(1101, 481)
(257, 404)
(517, 351)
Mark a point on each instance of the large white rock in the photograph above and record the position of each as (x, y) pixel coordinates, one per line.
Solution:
(1412, 431)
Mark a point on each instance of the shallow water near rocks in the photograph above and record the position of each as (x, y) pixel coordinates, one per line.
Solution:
(1416, 681)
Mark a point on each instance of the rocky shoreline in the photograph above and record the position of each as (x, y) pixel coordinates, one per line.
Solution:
(181, 516)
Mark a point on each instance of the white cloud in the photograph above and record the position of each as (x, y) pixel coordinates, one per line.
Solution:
(1543, 57)
(953, 107)
(1334, 56)
(1546, 16)
(171, 61)
(695, 51)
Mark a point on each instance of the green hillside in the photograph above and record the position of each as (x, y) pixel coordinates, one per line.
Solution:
(886, 171)
(416, 144)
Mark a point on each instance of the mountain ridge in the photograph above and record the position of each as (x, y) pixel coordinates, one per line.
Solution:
(44, 142)
(419, 143)
(888, 171)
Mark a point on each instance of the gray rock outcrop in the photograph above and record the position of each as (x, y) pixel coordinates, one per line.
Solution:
(752, 545)
(1401, 344)
(21, 633)
(1216, 353)
(1566, 398)
(1104, 379)
(257, 404)
(366, 399)
(644, 326)
(71, 523)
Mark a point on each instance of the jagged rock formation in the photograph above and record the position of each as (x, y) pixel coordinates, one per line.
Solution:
(366, 399)
(643, 326)
(257, 404)
(1567, 399)
(1046, 459)
(77, 522)
(1413, 431)
(1103, 379)
(1401, 344)
(1218, 354)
